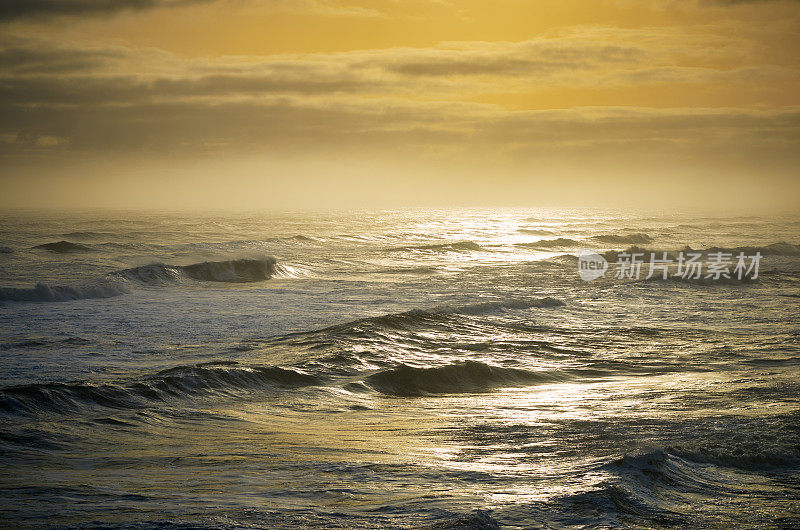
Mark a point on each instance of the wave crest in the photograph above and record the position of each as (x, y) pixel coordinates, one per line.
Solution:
(416, 317)
(63, 247)
(220, 378)
(561, 242)
(231, 271)
(462, 377)
(630, 239)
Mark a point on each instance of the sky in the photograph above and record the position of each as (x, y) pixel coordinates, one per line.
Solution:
(330, 104)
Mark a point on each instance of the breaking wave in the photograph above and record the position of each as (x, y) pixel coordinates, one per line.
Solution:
(232, 271)
(660, 487)
(661, 463)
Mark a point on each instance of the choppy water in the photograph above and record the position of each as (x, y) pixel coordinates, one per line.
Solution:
(394, 369)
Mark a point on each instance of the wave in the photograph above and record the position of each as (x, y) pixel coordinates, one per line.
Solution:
(483, 308)
(775, 249)
(157, 274)
(60, 293)
(733, 280)
(633, 239)
(417, 317)
(613, 255)
(41, 343)
(478, 520)
(675, 462)
(421, 269)
(561, 242)
(289, 272)
(218, 378)
(461, 377)
(569, 259)
(660, 488)
(231, 271)
(769, 444)
(460, 246)
(301, 237)
(535, 231)
(64, 247)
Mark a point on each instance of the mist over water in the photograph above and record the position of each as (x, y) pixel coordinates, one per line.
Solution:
(439, 368)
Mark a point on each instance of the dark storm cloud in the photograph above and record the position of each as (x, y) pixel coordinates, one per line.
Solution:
(17, 9)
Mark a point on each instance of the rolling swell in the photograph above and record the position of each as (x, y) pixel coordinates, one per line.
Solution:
(674, 463)
(774, 249)
(63, 247)
(60, 293)
(664, 487)
(561, 242)
(416, 317)
(461, 377)
(180, 382)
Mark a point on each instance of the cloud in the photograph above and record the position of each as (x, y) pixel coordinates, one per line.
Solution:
(672, 4)
(11, 10)
(40, 72)
(57, 98)
(739, 2)
(333, 123)
(16, 9)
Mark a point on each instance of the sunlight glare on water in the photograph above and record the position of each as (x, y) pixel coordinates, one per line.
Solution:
(394, 369)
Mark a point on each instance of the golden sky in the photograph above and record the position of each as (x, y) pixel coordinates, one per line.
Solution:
(342, 103)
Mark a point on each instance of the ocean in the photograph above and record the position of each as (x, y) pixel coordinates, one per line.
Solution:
(396, 369)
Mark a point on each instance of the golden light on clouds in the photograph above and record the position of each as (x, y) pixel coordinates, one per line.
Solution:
(516, 101)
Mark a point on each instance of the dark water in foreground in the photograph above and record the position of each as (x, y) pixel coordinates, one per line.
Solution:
(444, 369)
